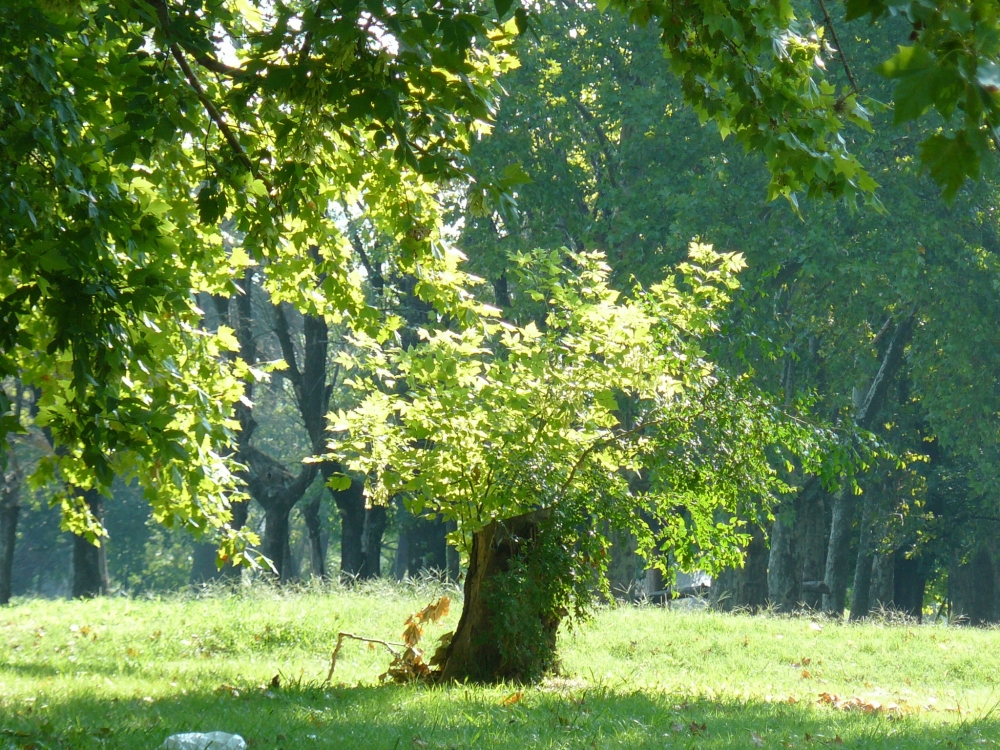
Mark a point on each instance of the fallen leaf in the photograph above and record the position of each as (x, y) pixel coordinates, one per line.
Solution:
(511, 699)
(756, 739)
(816, 626)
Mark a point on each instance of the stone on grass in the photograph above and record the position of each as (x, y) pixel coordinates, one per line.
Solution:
(204, 741)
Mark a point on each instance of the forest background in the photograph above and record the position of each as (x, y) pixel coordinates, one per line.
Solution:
(879, 316)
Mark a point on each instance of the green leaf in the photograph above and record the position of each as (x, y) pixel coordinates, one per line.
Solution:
(950, 160)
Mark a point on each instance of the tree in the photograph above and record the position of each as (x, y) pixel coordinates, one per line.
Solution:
(526, 434)
(126, 138)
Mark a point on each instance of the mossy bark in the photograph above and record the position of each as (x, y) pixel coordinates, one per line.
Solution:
(477, 652)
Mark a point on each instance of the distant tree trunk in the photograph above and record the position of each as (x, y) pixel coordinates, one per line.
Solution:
(9, 510)
(784, 577)
(422, 545)
(882, 581)
(623, 564)
(861, 594)
(317, 555)
(475, 652)
(274, 545)
(744, 588)
(375, 522)
(203, 565)
(277, 491)
(909, 580)
(90, 563)
(813, 537)
(452, 557)
(974, 587)
(844, 502)
(401, 565)
(837, 566)
(351, 504)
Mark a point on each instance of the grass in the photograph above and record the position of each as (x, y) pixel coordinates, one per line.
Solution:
(125, 673)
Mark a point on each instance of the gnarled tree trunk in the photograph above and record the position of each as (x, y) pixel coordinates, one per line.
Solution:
(475, 652)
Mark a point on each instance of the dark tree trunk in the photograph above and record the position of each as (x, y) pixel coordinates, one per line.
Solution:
(351, 504)
(277, 491)
(274, 545)
(784, 577)
(203, 562)
(375, 522)
(422, 545)
(974, 587)
(90, 562)
(813, 537)
(317, 554)
(9, 510)
(475, 653)
(909, 580)
(861, 594)
(882, 581)
(203, 567)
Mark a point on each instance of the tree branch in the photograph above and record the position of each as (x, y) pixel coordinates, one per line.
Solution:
(840, 50)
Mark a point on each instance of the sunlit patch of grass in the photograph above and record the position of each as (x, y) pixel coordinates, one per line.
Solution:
(125, 673)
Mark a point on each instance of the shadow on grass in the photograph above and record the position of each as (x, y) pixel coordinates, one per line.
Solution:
(419, 718)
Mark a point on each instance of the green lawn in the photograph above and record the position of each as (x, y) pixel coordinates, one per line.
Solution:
(125, 673)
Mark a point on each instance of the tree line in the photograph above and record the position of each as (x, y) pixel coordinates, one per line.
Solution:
(207, 252)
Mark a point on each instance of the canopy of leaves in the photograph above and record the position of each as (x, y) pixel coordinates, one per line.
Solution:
(606, 403)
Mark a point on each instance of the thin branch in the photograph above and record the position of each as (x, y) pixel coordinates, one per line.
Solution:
(840, 50)
(340, 642)
(215, 115)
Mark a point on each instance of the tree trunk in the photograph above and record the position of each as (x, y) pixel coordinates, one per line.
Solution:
(452, 557)
(844, 501)
(90, 562)
(477, 652)
(838, 552)
(909, 578)
(813, 537)
(784, 577)
(422, 546)
(317, 555)
(274, 545)
(375, 522)
(882, 581)
(861, 595)
(351, 504)
(974, 587)
(203, 567)
(623, 564)
(9, 510)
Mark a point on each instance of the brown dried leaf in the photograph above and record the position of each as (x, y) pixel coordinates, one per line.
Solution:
(513, 698)
(412, 633)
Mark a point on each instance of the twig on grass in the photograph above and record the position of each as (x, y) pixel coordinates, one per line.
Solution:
(340, 642)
